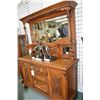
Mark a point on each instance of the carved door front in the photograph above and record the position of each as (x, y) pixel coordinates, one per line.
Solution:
(26, 72)
(57, 86)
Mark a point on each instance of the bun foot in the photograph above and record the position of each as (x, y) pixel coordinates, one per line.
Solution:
(25, 86)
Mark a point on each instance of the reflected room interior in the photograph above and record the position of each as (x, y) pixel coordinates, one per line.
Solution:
(50, 30)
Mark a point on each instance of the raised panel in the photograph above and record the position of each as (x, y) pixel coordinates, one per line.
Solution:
(19, 68)
(72, 76)
(26, 73)
(41, 85)
(56, 86)
(40, 70)
(23, 73)
(40, 77)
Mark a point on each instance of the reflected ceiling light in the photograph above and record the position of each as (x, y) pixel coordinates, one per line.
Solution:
(61, 20)
(49, 20)
(64, 22)
(57, 18)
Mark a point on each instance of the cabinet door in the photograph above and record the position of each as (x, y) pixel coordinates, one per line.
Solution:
(58, 87)
(26, 73)
(19, 68)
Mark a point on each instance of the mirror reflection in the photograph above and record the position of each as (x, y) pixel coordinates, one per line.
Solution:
(66, 50)
(51, 30)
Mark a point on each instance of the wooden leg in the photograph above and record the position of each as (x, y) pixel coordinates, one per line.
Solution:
(76, 95)
(22, 81)
(25, 86)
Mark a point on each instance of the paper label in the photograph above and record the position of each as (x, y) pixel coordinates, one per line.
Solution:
(32, 72)
(66, 52)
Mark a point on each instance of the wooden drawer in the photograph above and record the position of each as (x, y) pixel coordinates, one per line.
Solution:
(41, 85)
(39, 70)
(40, 73)
(41, 78)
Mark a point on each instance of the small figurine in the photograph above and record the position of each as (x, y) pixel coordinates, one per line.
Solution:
(47, 52)
(48, 56)
(42, 52)
(38, 51)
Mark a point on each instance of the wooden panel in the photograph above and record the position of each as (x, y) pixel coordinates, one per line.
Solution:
(59, 63)
(22, 51)
(19, 49)
(58, 85)
(41, 85)
(59, 6)
(19, 68)
(72, 31)
(26, 73)
(72, 81)
(40, 77)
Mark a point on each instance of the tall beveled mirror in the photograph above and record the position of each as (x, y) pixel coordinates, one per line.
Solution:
(51, 30)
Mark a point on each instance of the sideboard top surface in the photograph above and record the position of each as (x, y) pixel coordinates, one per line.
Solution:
(63, 64)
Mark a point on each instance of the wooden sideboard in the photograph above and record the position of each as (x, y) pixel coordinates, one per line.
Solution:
(57, 79)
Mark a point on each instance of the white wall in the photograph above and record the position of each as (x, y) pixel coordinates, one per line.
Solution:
(79, 33)
(26, 8)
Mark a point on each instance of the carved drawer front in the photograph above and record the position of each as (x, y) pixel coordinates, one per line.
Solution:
(41, 74)
(40, 71)
(41, 78)
(57, 84)
(41, 85)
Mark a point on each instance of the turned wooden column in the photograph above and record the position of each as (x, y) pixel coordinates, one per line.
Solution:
(72, 31)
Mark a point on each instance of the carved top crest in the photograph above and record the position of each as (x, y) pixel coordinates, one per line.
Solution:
(64, 6)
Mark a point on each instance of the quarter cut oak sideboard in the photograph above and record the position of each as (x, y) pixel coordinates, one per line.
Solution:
(57, 79)
(53, 27)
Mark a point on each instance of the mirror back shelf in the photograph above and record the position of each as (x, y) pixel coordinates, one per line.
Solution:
(54, 26)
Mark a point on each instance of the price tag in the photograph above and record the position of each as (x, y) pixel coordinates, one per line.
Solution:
(66, 52)
(32, 72)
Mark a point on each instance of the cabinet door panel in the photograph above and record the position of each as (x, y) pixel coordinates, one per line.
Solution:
(56, 85)
(26, 73)
(41, 85)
